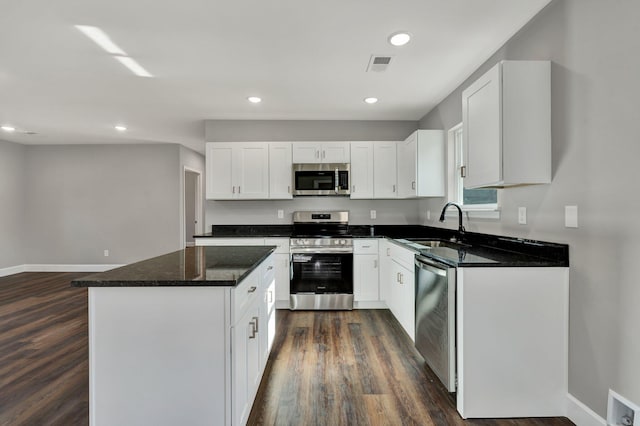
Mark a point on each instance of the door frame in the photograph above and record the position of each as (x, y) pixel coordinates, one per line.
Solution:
(199, 199)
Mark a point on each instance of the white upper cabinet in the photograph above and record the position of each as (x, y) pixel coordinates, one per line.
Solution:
(507, 125)
(238, 170)
(373, 170)
(362, 179)
(421, 165)
(321, 152)
(385, 180)
(280, 170)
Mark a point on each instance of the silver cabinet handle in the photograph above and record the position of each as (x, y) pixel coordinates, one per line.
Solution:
(317, 154)
(413, 185)
(324, 154)
(394, 188)
(398, 277)
(251, 289)
(256, 321)
(270, 267)
(353, 188)
(288, 189)
(366, 246)
(254, 329)
(238, 189)
(388, 251)
(401, 278)
(233, 189)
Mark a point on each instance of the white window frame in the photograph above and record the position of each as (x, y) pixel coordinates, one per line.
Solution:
(455, 182)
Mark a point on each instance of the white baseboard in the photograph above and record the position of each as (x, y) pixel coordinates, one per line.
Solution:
(373, 304)
(582, 415)
(55, 268)
(12, 270)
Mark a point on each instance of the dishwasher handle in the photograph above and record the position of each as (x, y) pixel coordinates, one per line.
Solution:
(431, 266)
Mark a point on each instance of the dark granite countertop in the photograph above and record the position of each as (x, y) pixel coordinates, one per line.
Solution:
(478, 249)
(193, 266)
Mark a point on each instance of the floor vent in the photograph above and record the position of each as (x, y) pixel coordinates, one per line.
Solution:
(379, 63)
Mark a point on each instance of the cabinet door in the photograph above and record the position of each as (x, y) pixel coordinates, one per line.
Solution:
(282, 278)
(482, 123)
(219, 165)
(385, 273)
(407, 151)
(365, 277)
(362, 170)
(306, 152)
(403, 298)
(252, 171)
(280, 170)
(245, 365)
(385, 165)
(335, 152)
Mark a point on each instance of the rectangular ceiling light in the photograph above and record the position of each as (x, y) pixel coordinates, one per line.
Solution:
(133, 66)
(100, 38)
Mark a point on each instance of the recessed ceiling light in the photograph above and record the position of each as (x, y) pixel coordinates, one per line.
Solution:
(8, 129)
(399, 38)
(101, 38)
(254, 99)
(371, 100)
(120, 128)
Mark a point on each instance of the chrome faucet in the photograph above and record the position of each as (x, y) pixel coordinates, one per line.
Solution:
(460, 227)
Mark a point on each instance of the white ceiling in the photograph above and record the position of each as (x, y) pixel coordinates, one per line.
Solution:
(307, 60)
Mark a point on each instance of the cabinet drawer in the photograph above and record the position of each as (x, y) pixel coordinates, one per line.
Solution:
(365, 246)
(281, 243)
(244, 295)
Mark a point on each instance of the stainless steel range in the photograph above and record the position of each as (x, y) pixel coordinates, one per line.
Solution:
(321, 261)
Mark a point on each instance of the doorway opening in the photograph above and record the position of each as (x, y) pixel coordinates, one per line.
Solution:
(192, 201)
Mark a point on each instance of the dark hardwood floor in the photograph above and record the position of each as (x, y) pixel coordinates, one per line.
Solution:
(354, 368)
(326, 368)
(44, 350)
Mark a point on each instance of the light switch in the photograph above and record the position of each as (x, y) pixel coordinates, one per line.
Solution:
(522, 215)
(571, 216)
(373, 214)
(280, 214)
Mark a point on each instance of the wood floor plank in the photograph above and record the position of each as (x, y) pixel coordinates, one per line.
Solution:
(355, 368)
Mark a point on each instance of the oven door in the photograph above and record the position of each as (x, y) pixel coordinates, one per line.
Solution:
(321, 272)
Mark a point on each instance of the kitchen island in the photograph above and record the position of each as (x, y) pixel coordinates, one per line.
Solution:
(181, 338)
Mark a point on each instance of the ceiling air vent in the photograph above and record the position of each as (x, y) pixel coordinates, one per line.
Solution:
(378, 63)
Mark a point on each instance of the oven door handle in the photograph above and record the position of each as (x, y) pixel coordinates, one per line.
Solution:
(322, 250)
(432, 266)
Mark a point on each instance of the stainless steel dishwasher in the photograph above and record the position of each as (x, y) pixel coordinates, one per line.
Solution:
(435, 317)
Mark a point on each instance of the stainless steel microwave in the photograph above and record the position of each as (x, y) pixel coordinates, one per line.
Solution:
(321, 179)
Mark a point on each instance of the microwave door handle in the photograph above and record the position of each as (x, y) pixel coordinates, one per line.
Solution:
(337, 180)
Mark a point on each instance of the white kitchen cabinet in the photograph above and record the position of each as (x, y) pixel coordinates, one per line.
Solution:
(385, 274)
(385, 180)
(366, 291)
(507, 125)
(421, 165)
(362, 170)
(237, 170)
(321, 152)
(401, 298)
(245, 364)
(280, 161)
(512, 341)
(373, 170)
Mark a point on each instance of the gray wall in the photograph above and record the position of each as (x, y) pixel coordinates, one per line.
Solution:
(265, 212)
(593, 46)
(12, 204)
(83, 199)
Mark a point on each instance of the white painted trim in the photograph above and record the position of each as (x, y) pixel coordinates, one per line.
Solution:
(70, 268)
(12, 270)
(199, 211)
(370, 304)
(582, 415)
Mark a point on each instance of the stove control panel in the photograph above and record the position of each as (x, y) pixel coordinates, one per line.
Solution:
(321, 242)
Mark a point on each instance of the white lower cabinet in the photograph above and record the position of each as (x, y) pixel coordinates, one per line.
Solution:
(195, 354)
(402, 297)
(366, 293)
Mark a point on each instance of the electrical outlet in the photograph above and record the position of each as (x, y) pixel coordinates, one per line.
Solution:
(373, 214)
(571, 216)
(280, 214)
(428, 214)
(621, 411)
(106, 253)
(522, 215)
